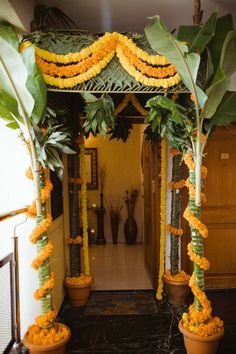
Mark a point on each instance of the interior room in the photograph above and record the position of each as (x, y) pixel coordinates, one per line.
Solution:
(117, 208)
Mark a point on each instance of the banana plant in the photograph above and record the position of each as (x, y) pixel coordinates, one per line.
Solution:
(23, 106)
(213, 105)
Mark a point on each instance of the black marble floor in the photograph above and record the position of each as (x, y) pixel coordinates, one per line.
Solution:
(155, 333)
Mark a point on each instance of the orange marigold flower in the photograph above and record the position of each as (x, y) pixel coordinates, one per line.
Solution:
(43, 255)
(173, 230)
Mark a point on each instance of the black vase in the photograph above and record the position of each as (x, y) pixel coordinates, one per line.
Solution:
(114, 229)
(130, 230)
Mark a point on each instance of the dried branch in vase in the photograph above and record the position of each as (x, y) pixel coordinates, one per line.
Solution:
(130, 200)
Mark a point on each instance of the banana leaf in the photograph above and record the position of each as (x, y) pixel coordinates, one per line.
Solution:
(225, 113)
(221, 79)
(35, 84)
(14, 77)
(197, 38)
(187, 64)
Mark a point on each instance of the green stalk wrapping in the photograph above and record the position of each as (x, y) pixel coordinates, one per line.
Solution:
(44, 269)
(197, 243)
(175, 215)
(74, 172)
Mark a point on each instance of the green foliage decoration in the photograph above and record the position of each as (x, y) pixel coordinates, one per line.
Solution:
(100, 114)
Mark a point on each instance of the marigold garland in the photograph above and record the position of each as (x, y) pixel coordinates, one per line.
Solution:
(177, 185)
(79, 79)
(179, 277)
(202, 262)
(199, 322)
(48, 318)
(81, 280)
(44, 254)
(74, 180)
(48, 285)
(173, 230)
(39, 336)
(162, 219)
(77, 240)
(151, 70)
(174, 151)
(157, 72)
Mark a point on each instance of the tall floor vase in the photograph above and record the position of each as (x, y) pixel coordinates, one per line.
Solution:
(130, 230)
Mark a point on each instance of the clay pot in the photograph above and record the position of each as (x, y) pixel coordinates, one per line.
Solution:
(78, 294)
(177, 291)
(57, 348)
(195, 344)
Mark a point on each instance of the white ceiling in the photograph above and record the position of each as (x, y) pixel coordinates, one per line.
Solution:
(131, 15)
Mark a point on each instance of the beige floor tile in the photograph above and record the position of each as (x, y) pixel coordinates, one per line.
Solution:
(119, 267)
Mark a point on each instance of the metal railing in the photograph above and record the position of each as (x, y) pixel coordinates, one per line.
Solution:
(7, 304)
(9, 292)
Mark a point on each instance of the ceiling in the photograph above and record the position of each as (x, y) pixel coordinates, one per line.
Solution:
(132, 15)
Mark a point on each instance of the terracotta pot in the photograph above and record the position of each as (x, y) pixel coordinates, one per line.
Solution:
(195, 344)
(177, 291)
(57, 348)
(78, 294)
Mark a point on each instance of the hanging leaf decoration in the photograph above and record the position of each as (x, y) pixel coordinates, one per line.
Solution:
(100, 114)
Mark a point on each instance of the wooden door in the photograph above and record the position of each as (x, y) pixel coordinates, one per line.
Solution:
(219, 213)
(151, 200)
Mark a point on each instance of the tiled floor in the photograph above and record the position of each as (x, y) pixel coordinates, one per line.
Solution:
(118, 267)
(147, 333)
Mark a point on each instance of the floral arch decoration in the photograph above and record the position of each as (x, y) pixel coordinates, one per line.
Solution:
(119, 63)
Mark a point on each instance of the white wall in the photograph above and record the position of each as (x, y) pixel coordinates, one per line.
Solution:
(123, 172)
(16, 191)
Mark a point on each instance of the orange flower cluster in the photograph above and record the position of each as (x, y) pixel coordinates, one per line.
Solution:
(173, 230)
(39, 336)
(77, 240)
(40, 229)
(179, 277)
(192, 191)
(81, 280)
(79, 68)
(201, 322)
(188, 159)
(74, 180)
(195, 222)
(201, 261)
(158, 72)
(49, 284)
(46, 320)
(177, 185)
(173, 151)
(43, 255)
(46, 191)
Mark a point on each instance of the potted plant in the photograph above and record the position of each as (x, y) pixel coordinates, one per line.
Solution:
(213, 105)
(23, 107)
(79, 284)
(130, 226)
(115, 205)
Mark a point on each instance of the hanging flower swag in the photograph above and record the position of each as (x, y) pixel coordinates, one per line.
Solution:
(69, 70)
